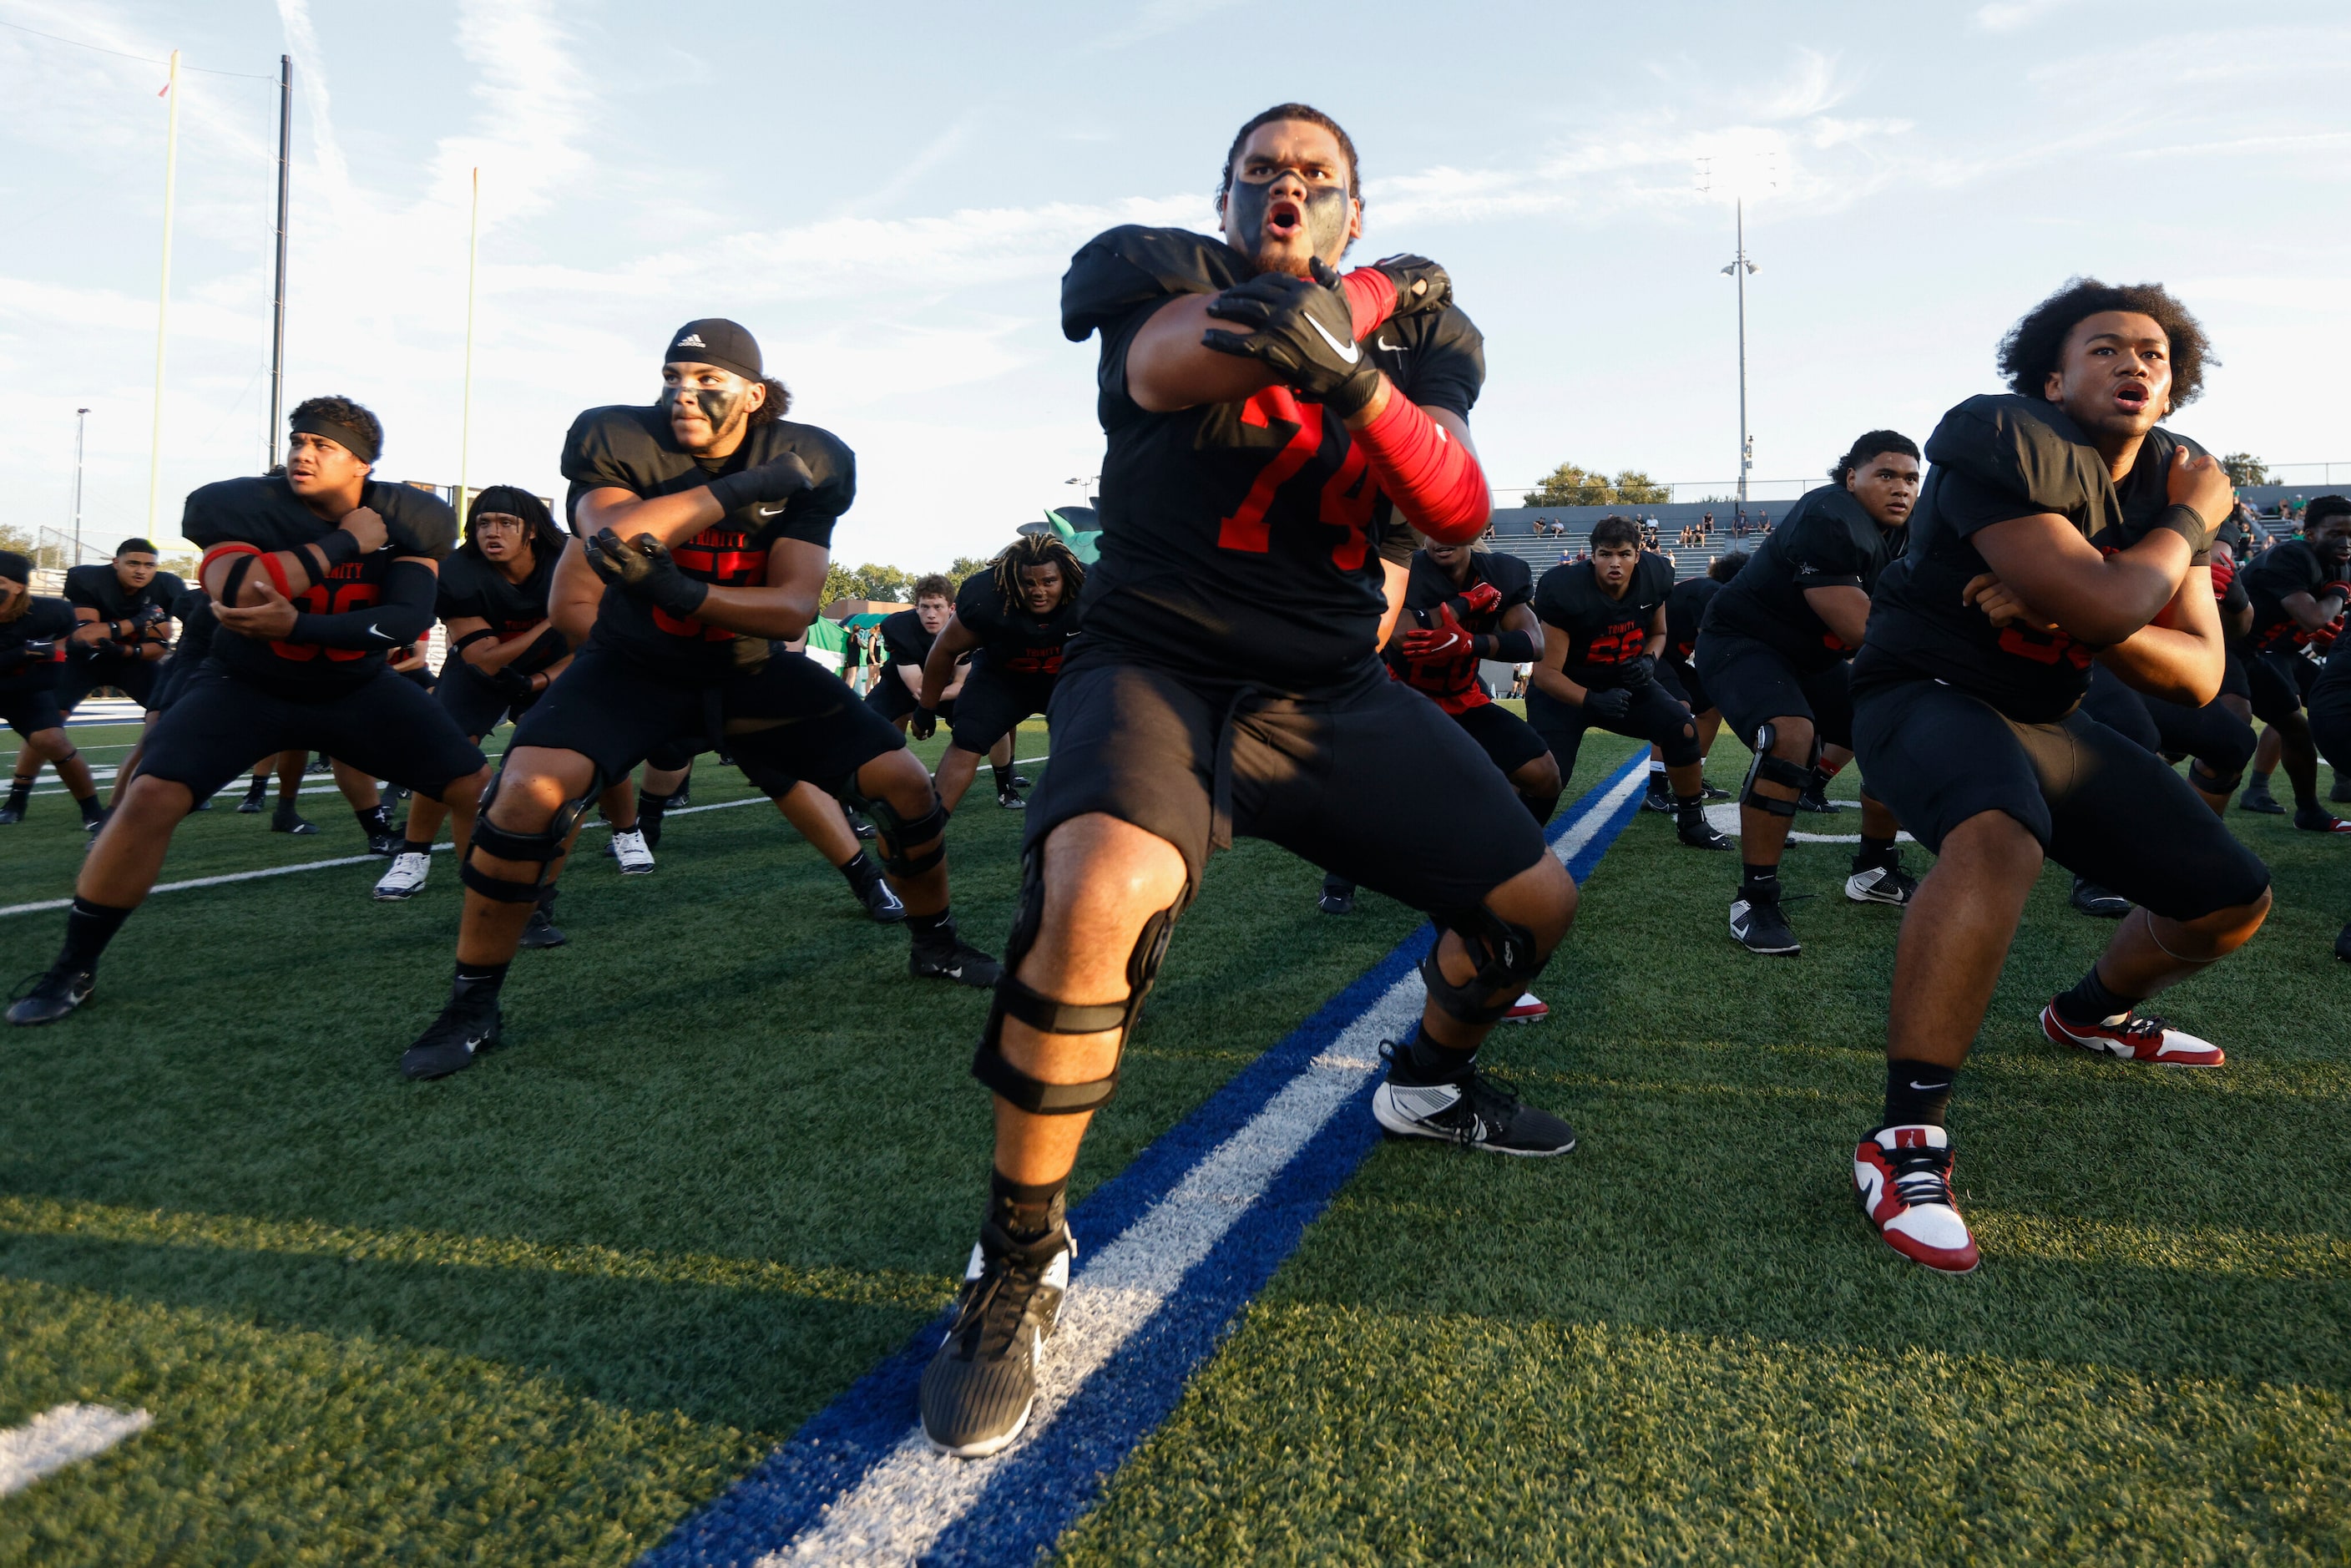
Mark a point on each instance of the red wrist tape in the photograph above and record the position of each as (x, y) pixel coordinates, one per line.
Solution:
(1371, 299)
(1432, 479)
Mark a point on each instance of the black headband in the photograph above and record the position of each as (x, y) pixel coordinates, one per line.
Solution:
(350, 438)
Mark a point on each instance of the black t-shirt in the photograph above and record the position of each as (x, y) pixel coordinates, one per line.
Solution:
(1431, 586)
(1013, 641)
(266, 514)
(2289, 567)
(630, 447)
(1602, 632)
(45, 621)
(472, 587)
(1685, 613)
(1826, 540)
(1241, 540)
(1992, 459)
(95, 587)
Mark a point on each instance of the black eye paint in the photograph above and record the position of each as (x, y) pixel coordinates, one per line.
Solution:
(1324, 213)
(717, 406)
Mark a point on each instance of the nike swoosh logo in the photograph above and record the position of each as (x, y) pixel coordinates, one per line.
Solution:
(1346, 351)
(769, 511)
(1925, 1088)
(1390, 347)
(376, 630)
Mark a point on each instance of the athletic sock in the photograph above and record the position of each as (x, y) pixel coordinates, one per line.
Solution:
(648, 817)
(89, 928)
(1003, 777)
(1820, 776)
(1876, 853)
(1758, 883)
(375, 821)
(20, 790)
(1425, 1062)
(257, 789)
(2090, 1000)
(1023, 1210)
(860, 871)
(91, 808)
(478, 982)
(2257, 778)
(931, 930)
(1918, 1093)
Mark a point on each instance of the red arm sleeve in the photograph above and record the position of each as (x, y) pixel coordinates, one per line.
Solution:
(1432, 479)
(1371, 297)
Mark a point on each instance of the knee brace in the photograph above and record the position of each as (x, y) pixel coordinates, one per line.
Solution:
(543, 847)
(2201, 775)
(896, 835)
(1039, 1011)
(1778, 770)
(1507, 964)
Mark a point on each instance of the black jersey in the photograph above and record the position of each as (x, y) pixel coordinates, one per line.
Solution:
(33, 645)
(1828, 539)
(1456, 688)
(1686, 605)
(904, 641)
(631, 448)
(1992, 459)
(268, 515)
(1241, 540)
(1013, 641)
(95, 587)
(194, 611)
(1602, 632)
(2291, 567)
(472, 587)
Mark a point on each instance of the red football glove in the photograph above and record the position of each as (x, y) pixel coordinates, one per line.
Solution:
(2224, 572)
(1447, 642)
(1482, 599)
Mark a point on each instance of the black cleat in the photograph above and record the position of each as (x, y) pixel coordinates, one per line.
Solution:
(1815, 799)
(860, 827)
(1757, 926)
(1477, 1112)
(947, 956)
(1338, 896)
(255, 800)
(1009, 798)
(287, 819)
(1659, 798)
(540, 930)
(2098, 903)
(1707, 791)
(1881, 885)
(1022, 781)
(93, 821)
(11, 814)
(2256, 797)
(881, 903)
(50, 995)
(463, 1031)
(981, 1384)
(1695, 831)
(386, 843)
(2319, 820)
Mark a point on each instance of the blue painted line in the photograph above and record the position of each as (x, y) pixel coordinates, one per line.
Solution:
(1057, 1476)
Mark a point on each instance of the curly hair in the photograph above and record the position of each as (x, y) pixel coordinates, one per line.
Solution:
(779, 399)
(933, 585)
(1870, 445)
(546, 540)
(1312, 116)
(1615, 529)
(1722, 568)
(1033, 550)
(2036, 344)
(341, 410)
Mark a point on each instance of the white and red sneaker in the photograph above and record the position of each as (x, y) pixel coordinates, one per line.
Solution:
(2133, 1038)
(1529, 1008)
(1903, 1177)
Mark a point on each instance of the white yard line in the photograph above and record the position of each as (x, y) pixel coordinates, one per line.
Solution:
(57, 1437)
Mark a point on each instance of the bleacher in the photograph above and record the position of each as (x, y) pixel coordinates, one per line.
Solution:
(1514, 531)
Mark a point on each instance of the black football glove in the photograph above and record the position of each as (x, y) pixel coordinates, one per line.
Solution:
(924, 723)
(1637, 672)
(643, 566)
(147, 626)
(777, 480)
(1420, 284)
(511, 684)
(33, 651)
(1304, 335)
(1608, 706)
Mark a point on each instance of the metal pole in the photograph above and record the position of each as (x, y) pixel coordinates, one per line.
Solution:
(277, 296)
(1745, 453)
(465, 417)
(164, 293)
(81, 423)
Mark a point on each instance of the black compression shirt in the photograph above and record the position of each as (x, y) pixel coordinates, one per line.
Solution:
(269, 516)
(1241, 540)
(472, 586)
(1013, 641)
(1826, 540)
(632, 448)
(1602, 632)
(33, 645)
(1429, 587)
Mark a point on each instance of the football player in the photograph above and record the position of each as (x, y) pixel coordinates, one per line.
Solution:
(2059, 527)
(1684, 610)
(1014, 619)
(2299, 588)
(33, 634)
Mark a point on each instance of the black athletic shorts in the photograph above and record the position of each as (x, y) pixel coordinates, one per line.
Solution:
(218, 725)
(1753, 683)
(994, 702)
(2280, 680)
(473, 703)
(1680, 678)
(135, 677)
(1657, 716)
(2101, 806)
(1369, 780)
(30, 712)
(2234, 681)
(168, 679)
(789, 720)
(2216, 737)
(1502, 735)
(888, 695)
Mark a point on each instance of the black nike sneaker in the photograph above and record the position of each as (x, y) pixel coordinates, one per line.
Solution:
(1695, 831)
(1478, 1112)
(1881, 884)
(981, 1384)
(2256, 797)
(880, 902)
(1338, 896)
(2319, 820)
(1757, 926)
(50, 995)
(941, 955)
(287, 819)
(1022, 781)
(2098, 903)
(860, 827)
(255, 798)
(11, 814)
(1815, 799)
(1009, 798)
(1659, 798)
(463, 1031)
(540, 930)
(1708, 792)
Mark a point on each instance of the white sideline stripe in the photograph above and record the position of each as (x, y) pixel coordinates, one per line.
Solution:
(905, 1502)
(46, 904)
(57, 1437)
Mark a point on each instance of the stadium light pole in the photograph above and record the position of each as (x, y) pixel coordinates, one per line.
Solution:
(465, 404)
(163, 295)
(81, 426)
(277, 299)
(1737, 270)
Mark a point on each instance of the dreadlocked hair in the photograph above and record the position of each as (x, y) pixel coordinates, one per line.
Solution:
(1032, 550)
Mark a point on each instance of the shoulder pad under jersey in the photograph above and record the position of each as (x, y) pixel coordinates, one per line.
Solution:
(1121, 269)
(2023, 446)
(418, 521)
(247, 510)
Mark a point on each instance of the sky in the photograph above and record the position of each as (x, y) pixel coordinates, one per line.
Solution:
(887, 197)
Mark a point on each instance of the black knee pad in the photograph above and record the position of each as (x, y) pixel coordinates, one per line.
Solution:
(1778, 770)
(543, 847)
(1507, 964)
(2201, 775)
(893, 833)
(1039, 1011)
